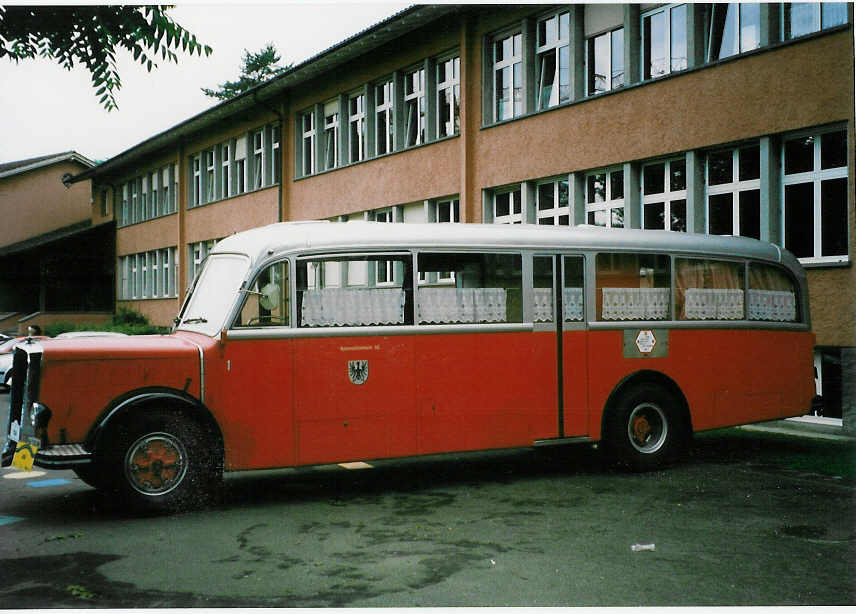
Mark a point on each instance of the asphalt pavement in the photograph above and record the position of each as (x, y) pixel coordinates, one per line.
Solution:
(753, 517)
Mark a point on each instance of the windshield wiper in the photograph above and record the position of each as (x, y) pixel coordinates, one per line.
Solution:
(199, 320)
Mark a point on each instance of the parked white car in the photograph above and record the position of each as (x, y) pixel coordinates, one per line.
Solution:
(6, 369)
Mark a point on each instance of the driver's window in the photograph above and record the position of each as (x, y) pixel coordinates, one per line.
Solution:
(266, 302)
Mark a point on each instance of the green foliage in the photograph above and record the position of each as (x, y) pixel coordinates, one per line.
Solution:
(256, 68)
(90, 35)
(124, 321)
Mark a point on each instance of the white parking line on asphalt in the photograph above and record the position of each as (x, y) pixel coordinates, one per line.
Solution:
(23, 475)
(356, 465)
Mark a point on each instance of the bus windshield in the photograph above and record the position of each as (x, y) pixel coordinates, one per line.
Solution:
(214, 294)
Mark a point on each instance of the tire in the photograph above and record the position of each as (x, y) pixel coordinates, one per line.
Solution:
(94, 475)
(645, 428)
(161, 462)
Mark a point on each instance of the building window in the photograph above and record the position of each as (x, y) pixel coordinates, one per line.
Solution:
(384, 119)
(276, 158)
(815, 196)
(134, 198)
(801, 18)
(507, 207)
(241, 165)
(605, 198)
(553, 208)
(385, 269)
(605, 62)
(258, 159)
(154, 194)
(173, 202)
(508, 77)
(448, 211)
(210, 183)
(196, 194)
(664, 41)
(734, 192)
(734, 28)
(331, 135)
(148, 275)
(144, 201)
(664, 195)
(357, 127)
(307, 127)
(126, 219)
(225, 170)
(553, 63)
(448, 97)
(414, 107)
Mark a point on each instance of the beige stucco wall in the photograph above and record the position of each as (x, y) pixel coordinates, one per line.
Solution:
(36, 202)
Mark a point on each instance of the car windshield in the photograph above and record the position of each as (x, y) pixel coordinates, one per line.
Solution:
(214, 294)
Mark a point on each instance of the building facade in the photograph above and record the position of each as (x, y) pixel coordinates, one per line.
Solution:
(700, 118)
(56, 245)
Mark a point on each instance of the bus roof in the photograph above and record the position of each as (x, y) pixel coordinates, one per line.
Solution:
(261, 243)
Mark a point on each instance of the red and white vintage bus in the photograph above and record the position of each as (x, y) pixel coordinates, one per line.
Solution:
(309, 343)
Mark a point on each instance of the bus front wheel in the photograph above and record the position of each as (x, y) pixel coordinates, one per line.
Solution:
(161, 462)
(645, 428)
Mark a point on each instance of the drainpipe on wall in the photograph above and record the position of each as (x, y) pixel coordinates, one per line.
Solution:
(279, 115)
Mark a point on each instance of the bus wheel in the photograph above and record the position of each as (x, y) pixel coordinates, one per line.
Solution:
(93, 474)
(645, 428)
(161, 462)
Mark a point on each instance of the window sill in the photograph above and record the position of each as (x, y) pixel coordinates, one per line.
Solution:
(825, 263)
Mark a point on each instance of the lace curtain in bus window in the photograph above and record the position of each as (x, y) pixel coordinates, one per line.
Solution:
(708, 290)
(487, 288)
(633, 287)
(370, 290)
(772, 296)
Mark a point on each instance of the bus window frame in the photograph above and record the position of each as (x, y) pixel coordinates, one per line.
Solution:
(802, 324)
(589, 322)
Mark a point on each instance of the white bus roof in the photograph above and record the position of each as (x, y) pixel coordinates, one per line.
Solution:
(261, 243)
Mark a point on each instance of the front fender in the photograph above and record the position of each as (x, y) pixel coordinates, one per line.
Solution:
(143, 400)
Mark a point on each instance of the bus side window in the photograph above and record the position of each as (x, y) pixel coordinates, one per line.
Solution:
(633, 287)
(355, 291)
(772, 294)
(573, 298)
(267, 301)
(488, 288)
(708, 289)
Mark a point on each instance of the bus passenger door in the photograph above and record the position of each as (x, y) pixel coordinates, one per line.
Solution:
(558, 301)
(574, 348)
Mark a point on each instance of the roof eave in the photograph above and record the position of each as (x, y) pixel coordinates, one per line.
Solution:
(358, 44)
(64, 157)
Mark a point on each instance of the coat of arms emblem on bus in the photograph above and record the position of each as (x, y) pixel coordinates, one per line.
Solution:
(358, 371)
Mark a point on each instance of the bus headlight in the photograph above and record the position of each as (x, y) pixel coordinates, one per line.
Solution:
(40, 416)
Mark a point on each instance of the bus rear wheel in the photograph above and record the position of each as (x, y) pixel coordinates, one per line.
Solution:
(645, 428)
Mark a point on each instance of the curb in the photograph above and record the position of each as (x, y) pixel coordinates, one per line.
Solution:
(802, 428)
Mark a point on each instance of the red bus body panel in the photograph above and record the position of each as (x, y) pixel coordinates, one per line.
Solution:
(290, 401)
(82, 376)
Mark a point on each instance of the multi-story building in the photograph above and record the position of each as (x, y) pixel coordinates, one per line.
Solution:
(56, 245)
(700, 118)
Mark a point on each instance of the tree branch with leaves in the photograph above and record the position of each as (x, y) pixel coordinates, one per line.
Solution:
(91, 36)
